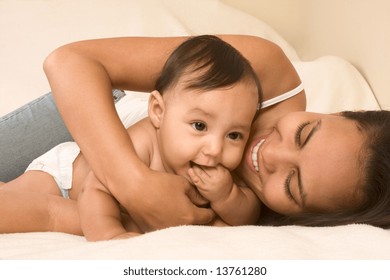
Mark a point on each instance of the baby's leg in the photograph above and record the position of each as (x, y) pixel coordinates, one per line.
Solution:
(23, 211)
(33, 202)
(34, 181)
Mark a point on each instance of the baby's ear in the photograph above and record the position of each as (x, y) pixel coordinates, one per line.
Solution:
(156, 108)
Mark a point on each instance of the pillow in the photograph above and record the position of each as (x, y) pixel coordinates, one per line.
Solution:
(194, 16)
(332, 84)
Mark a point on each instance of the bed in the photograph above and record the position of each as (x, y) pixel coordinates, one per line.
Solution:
(31, 29)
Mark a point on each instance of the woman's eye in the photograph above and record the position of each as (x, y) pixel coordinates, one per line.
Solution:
(199, 126)
(287, 185)
(235, 136)
(298, 133)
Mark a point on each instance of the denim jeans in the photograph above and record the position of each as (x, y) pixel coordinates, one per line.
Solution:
(29, 132)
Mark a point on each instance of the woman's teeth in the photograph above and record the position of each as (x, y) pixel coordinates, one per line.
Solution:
(254, 155)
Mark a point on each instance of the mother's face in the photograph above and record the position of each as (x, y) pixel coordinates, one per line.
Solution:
(308, 162)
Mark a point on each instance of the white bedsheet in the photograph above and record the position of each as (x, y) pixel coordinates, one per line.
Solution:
(31, 29)
(200, 242)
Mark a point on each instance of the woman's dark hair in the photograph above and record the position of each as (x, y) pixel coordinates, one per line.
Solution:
(374, 209)
(211, 62)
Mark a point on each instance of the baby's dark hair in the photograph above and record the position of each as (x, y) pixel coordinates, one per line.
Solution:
(374, 208)
(212, 62)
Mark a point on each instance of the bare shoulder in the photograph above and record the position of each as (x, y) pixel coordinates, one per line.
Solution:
(143, 137)
(255, 48)
(275, 71)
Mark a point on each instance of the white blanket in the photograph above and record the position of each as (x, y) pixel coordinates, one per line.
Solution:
(31, 29)
(200, 242)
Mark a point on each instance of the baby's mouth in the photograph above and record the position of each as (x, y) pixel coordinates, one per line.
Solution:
(255, 149)
(192, 164)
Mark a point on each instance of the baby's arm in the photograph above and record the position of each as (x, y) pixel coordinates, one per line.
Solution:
(235, 205)
(100, 214)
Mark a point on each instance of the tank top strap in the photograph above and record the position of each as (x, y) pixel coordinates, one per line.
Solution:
(282, 97)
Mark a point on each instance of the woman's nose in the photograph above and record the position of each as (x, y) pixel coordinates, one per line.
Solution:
(277, 155)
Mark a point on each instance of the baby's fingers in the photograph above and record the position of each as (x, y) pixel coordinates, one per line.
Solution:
(196, 175)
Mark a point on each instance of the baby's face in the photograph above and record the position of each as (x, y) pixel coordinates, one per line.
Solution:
(206, 128)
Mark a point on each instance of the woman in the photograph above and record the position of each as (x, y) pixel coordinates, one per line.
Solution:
(82, 75)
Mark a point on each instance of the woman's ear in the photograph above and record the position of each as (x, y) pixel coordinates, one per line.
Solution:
(156, 108)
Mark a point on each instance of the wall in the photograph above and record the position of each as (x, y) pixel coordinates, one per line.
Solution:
(358, 30)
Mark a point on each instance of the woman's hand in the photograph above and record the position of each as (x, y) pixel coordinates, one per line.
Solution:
(161, 200)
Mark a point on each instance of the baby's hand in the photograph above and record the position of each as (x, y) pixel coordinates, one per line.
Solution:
(214, 183)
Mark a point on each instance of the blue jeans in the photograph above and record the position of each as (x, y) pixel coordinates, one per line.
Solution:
(29, 132)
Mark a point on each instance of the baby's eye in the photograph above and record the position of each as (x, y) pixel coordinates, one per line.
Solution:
(199, 126)
(235, 136)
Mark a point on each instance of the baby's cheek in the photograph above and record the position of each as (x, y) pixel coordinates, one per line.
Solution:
(232, 159)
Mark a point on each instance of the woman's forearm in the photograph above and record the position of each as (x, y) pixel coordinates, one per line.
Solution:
(81, 87)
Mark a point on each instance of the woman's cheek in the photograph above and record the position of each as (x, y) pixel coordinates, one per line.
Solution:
(271, 193)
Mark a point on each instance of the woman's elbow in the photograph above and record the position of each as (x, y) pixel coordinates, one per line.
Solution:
(56, 59)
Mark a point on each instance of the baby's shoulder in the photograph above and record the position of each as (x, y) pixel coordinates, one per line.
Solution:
(144, 139)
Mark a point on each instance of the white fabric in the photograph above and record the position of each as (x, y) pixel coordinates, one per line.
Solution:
(58, 162)
(132, 107)
(199, 242)
(332, 84)
(31, 29)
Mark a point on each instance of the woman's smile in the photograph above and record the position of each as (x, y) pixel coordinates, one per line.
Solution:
(254, 154)
(252, 157)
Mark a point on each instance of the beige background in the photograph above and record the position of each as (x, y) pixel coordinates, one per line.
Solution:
(358, 30)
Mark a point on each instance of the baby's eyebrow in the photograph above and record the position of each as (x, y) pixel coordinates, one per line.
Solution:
(200, 111)
(244, 127)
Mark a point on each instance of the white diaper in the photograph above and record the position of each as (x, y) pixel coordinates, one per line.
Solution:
(58, 162)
